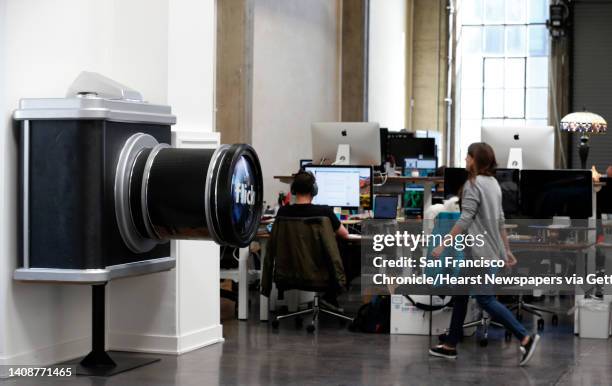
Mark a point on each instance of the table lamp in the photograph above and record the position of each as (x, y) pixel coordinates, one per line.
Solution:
(585, 123)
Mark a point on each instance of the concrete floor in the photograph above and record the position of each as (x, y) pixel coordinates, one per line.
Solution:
(253, 353)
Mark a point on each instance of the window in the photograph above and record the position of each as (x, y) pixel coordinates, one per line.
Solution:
(503, 66)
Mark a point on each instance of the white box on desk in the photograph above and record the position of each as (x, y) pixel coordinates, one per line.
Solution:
(406, 318)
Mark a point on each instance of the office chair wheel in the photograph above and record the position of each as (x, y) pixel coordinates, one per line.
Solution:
(540, 324)
(275, 324)
(310, 328)
(507, 336)
(299, 322)
(484, 342)
(555, 320)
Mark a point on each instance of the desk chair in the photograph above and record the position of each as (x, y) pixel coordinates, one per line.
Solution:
(484, 322)
(303, 254)
(521, 306)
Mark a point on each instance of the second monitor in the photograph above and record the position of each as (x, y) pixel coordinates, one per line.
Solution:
(348, 187)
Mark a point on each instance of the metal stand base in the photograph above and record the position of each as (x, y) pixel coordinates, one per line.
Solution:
(98, 363)
(121, 362)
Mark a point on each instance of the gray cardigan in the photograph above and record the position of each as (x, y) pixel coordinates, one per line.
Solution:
(482, 213)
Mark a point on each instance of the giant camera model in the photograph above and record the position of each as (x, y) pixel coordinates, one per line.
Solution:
(102, 191)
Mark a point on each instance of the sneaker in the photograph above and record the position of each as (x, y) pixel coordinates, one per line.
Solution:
(443, 352)
(528, 349)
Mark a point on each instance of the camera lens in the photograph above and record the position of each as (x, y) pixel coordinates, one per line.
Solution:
(170, 193)
(234, 197)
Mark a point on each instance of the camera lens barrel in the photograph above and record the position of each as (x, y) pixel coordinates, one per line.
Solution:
(175, 193)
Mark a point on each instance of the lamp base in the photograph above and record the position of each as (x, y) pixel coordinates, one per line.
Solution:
(583, 150)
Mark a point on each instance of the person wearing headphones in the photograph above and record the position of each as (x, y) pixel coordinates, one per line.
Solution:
(304, 188)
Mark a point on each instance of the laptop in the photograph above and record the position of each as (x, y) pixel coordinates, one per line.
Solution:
(385, 207)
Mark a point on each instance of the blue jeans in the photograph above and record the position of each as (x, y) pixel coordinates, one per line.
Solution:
(494, 308)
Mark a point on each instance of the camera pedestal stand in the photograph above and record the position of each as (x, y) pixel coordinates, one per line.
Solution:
(98, 362)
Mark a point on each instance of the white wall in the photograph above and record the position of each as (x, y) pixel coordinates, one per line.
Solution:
(42, 55)
(163, 49)
(173, 312)
(191, 60)
(387, 63)
(295, 81)
(3, 138)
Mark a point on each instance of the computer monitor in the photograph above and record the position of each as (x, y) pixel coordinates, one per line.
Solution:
(509, 180)
(363, 139)
(413, 200)
(549, 193)
(426, 166)
(385, 207)
(537, 144)
(305, 162)
(435, 135)
(348, 187)
(413, 193)
(604, 197)
(454, 179)
(401, 145)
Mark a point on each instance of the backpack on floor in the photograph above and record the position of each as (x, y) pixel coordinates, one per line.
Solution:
(374, 317)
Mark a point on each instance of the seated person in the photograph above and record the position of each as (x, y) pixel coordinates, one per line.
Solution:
(304, 188)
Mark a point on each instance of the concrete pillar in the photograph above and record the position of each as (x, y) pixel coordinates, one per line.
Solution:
(234, 71)
(354, 60)
(429, 65)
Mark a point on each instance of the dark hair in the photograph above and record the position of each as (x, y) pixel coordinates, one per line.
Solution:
(484, 160)
(303, 183)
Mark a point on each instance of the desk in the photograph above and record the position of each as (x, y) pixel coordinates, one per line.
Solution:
(243, 275)
(550, 247)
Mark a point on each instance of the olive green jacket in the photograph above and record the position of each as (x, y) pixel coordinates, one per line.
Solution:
(302, 254)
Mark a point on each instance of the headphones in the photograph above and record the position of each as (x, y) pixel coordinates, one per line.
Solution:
(314, 188)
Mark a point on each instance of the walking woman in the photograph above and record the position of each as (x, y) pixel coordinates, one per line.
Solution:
(482, 213)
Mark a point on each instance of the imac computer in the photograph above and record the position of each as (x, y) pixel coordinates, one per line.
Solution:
(346, 143)
(524, 147)
(349, 187)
